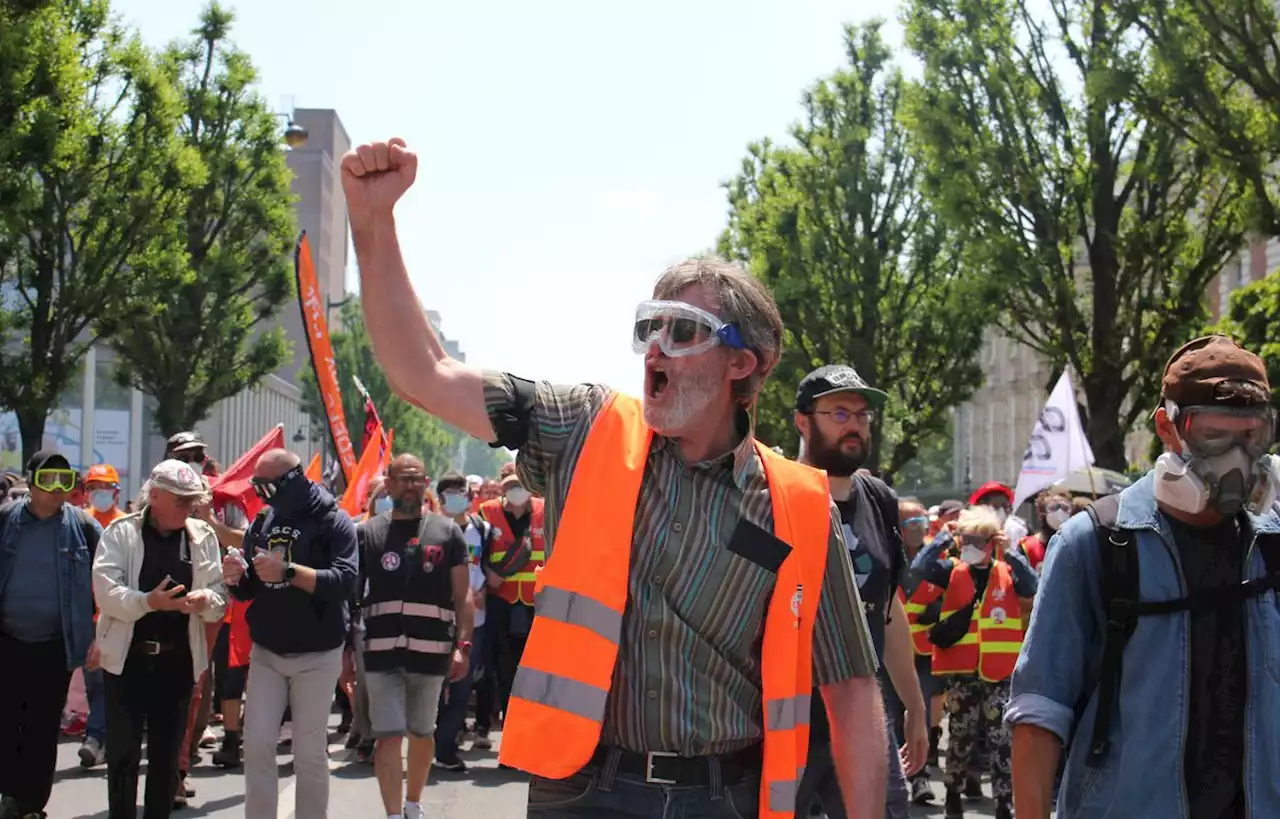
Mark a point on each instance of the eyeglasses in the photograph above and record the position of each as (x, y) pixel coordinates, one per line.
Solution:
(1057, 507)
(977, 541)
(842, 417)
(55, 480)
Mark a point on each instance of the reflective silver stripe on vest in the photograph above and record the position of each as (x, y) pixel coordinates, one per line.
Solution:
(782, 796)
(420, 646)
(577, 609)
(411, 610)
(787, 713)
(560, 693)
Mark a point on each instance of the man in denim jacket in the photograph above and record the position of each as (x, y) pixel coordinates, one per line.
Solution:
(46, 627)
(1194, 731)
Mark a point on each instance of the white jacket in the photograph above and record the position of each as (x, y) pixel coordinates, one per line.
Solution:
(116, 567)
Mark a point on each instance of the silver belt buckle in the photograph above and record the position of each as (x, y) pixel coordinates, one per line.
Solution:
(151, 647)
(648, 768)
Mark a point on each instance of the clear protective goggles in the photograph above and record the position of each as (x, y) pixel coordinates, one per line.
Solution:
(681, 329)
(1211, 431)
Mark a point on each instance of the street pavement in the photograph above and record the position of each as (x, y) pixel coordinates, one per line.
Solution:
(483, 792)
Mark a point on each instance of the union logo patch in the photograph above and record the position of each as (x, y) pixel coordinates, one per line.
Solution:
(390, 561)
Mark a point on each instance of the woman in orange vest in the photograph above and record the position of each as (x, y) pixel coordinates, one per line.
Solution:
(515, 553)
(975, 646)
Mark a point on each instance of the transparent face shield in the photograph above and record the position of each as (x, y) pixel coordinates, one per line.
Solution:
(681, 329)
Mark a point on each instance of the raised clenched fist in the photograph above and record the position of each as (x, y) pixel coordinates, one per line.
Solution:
(377, 174)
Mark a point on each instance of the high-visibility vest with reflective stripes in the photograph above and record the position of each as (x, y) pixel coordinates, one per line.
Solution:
(558, 700)
(994, 638)
(518, 587)
(915, 605)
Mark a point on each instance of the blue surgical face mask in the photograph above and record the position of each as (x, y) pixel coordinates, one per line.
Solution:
(455, 503)
(102, 499)
(383, 505)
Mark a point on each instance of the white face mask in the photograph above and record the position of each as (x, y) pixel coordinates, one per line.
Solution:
(972, 555)
(517, 496)
(102, 499)
(1056, 518)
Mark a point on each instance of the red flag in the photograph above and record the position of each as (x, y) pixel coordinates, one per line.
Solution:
(372, 423)
(234, 485)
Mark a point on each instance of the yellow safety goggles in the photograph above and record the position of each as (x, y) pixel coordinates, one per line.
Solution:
(55, 480)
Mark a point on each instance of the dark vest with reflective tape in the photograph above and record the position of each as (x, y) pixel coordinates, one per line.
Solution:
(408, 611)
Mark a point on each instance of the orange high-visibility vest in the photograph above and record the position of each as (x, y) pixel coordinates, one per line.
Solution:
(920, 599)
(518, 587)
(561, 689)
(995, 633)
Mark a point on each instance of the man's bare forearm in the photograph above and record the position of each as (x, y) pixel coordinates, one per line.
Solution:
(859, 746)
(1035, 765)
(406, 345)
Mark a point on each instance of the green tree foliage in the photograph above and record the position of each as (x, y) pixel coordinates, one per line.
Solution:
(1253, 319)
(416, 432)
(91, 181)
(217, 333)
(862, 271)
(1219, 83)
(481, 459)
(1102, 226)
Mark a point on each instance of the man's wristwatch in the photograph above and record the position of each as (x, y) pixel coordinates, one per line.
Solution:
(464, 646)
(290, 572)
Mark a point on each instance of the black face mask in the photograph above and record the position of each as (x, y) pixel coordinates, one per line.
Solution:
(284, 492)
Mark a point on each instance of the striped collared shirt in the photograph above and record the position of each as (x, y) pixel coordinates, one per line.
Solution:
(688, 673)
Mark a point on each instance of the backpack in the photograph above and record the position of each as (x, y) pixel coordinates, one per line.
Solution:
(1120, 595)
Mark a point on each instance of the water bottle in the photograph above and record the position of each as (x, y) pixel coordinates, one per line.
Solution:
(239, 556)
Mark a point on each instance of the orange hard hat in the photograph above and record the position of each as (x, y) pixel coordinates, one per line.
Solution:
(102, 473)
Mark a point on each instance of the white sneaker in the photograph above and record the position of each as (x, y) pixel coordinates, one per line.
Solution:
(208, 739)
(412, 810)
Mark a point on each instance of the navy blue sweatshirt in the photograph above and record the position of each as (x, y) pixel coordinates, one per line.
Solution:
(305, 526)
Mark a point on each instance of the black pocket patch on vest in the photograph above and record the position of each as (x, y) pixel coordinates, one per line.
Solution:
(760, 547)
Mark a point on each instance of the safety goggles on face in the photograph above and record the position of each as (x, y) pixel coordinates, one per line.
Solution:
(1213, 431)
(681, 329)
(190, 456)
(1057, 507)
(268, 488)
(977, 541)
(55, 480)
(916, 523)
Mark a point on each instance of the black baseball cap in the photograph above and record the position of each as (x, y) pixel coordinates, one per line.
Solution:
(47, 459)
(183, 441)
(832, 379)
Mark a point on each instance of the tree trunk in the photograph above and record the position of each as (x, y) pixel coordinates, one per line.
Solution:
(1105, 393)
(31, 425)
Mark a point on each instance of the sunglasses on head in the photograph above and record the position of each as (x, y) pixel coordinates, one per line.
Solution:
(54, 480)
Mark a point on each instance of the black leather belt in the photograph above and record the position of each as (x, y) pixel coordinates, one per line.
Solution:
(150, 647)
(667, 768)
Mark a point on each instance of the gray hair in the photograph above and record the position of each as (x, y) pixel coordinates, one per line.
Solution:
(742, 301)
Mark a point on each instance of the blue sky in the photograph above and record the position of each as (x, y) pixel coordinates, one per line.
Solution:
(569, 151)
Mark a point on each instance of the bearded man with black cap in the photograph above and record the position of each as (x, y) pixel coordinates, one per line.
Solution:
(46, 626)
(1157, 612)
(300, 572)
(835, 409)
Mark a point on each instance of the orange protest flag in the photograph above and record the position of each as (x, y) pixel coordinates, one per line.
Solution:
(314, 473)
(369, 466)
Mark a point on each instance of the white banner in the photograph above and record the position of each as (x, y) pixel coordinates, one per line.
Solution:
(1057, 446)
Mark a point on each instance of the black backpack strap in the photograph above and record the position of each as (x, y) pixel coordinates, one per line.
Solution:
(1120, 594)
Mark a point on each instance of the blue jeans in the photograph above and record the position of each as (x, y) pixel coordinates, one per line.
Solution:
(96, 692)
(453, 715)
(591, 794)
